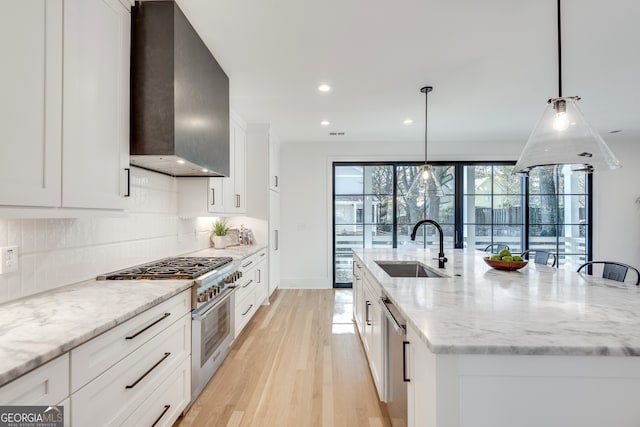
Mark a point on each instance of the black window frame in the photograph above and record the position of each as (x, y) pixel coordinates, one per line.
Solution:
(459, 195)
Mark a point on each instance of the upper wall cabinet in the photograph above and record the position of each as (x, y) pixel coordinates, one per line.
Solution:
(95, 131)
(219, 196)
(77, 159)
(31, 103)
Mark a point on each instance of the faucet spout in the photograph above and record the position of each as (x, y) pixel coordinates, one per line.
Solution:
(441, 258)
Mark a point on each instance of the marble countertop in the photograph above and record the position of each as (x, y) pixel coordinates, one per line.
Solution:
(39, 328)
(537, 310)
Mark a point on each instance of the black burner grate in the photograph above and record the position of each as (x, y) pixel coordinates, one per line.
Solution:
(170, 268)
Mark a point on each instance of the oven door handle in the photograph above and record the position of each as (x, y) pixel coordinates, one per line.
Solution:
(220, 300)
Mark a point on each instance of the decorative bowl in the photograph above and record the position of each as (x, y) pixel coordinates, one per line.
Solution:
(505, 265)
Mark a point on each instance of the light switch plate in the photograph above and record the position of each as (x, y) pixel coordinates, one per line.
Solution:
(8, 259)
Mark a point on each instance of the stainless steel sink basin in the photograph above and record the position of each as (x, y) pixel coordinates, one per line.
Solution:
(408, 269)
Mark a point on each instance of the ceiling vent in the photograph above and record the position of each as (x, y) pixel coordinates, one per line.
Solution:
(336, 133)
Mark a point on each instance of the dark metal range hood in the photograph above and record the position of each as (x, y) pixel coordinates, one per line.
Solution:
(179, 96)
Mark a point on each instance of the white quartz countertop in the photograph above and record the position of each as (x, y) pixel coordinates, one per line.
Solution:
(37, 329)
(537, 310)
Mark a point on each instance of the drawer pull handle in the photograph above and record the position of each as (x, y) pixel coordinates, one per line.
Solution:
(166, 408)
(248, 310)
(164, 316)
(247, 264)
(262, 254)
(248, 283)
(149, 371)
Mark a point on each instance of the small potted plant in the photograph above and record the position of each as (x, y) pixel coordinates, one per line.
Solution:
(219, 234)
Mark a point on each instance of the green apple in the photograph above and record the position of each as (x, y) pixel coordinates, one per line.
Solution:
(496, 258)
(504, 253)
(507, 258)
(517, 258)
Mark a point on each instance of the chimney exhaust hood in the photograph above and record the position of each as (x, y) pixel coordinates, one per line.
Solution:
(179, 96)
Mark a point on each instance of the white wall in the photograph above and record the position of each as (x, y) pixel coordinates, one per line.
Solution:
(306, 199)
(616, 213)
(58, 252)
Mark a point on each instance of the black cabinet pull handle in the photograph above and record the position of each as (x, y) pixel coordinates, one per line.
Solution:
(247, 264)
(166, 408)
(276, 176)
(164, 316)
(366, 312)
(404, 362)
(248, 310)
(213, 196)
(149, 371)
(128, 182)
(248, 283)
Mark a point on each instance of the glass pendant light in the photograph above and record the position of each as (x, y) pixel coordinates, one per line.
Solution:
(563, 136)
(425, 184)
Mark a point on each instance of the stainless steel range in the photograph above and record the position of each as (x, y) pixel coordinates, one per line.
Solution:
(212, 303)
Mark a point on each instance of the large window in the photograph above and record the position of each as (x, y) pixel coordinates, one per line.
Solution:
(374, 205)
(493, 207)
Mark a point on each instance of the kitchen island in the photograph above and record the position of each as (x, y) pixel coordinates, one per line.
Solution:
(538, 346)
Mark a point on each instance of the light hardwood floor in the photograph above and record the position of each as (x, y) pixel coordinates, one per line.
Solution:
(298, 362)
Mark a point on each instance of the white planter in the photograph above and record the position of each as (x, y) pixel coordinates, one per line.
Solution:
(220, 242)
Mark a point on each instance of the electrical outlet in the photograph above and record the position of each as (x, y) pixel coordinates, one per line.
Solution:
(8, 259)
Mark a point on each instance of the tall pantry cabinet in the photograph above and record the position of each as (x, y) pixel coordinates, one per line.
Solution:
(263, 190)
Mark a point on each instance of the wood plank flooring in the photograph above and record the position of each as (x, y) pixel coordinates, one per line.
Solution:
(298, 362)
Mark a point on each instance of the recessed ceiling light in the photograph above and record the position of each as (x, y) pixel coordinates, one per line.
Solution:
(205, 170)
(180, 161)
(325, 123)
(408, 121)
(324, 87)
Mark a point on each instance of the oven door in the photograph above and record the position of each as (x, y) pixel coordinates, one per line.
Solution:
(211, 336)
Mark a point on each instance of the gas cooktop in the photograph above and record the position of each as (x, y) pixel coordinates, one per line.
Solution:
(169, 268)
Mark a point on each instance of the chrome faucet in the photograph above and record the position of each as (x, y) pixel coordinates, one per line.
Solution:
(441, 258)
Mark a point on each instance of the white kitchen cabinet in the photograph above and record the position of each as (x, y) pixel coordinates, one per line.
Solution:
(262, 278)
(274, 163)
(263, 197)
(31, 105)
(358, 296)
(116, 373)
(251, 289)
(274, 241)
(164, 405)
(66, 127)
(420, 390)
(372, 335)
(45, 385)
(119, 391)
(95, 150)
(219, 196)
(235, 185)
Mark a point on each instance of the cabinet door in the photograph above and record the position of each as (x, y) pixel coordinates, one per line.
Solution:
(95, 151)
(239, 177)
(31, 107)
(274, 241)
(372, 337)
(420, 390)
(274, 163)
(262, 279)
(46, 385)
(215, 195)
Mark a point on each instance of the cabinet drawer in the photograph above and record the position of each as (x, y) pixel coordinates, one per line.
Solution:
(46, 385)
(245, 309)
(166, 403)
(247, 264)
(245, 286)
(96, 356)
(117, 392)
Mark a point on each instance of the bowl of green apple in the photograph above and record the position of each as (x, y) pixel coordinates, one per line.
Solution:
(504, 260)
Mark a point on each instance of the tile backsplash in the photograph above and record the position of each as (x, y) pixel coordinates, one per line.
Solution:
(59, 252)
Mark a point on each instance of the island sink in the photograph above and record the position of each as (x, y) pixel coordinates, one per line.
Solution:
(408, 269)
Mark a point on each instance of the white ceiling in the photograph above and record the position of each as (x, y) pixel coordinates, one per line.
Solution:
(492, 64)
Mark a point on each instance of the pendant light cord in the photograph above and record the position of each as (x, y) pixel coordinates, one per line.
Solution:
(559, 54)
(426, 91)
